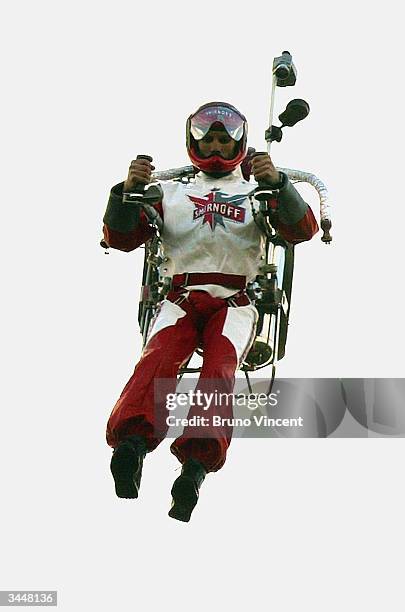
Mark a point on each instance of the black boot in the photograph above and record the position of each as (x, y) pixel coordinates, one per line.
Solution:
(126, 466)
(185, 490)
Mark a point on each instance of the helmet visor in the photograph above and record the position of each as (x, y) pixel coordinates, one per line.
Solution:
(201, 122)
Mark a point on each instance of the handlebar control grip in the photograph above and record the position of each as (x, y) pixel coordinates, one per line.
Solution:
(264, 190)
(139, 188)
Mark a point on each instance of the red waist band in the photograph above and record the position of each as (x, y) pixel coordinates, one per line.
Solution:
(234, 281)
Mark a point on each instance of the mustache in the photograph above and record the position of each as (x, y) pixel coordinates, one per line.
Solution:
(214, 154)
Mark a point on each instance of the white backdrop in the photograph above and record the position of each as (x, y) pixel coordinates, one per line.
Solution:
(287, 525)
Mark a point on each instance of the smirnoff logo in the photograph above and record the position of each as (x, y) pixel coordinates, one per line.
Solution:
(216, 206)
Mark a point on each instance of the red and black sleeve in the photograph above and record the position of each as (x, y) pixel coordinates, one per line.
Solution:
(126, 226)
(292, 217)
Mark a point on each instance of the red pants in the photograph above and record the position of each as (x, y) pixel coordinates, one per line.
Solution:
(225, 333)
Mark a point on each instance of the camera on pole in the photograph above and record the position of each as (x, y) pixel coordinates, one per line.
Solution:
(284, 70)
(284, 75)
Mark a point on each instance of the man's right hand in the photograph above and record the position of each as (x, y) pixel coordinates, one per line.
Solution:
(139, 171)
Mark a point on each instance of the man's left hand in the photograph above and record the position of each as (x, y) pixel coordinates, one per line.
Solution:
(264, 170)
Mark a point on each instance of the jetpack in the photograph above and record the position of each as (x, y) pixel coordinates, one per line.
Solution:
(272, 289)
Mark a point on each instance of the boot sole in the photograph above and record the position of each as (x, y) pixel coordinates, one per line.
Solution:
(126, 470)
(184, 499)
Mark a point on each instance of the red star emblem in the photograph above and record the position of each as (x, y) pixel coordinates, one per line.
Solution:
(217, 206)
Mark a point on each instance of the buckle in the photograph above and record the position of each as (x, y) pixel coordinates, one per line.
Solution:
(239, 299)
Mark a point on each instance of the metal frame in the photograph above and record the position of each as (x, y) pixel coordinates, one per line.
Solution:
(270, 292)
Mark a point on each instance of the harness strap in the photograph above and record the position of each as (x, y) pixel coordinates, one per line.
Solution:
(238, 299)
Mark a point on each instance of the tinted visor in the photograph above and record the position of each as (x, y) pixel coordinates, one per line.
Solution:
(201, 122)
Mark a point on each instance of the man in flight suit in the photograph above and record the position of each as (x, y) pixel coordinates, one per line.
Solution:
(212, 249)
